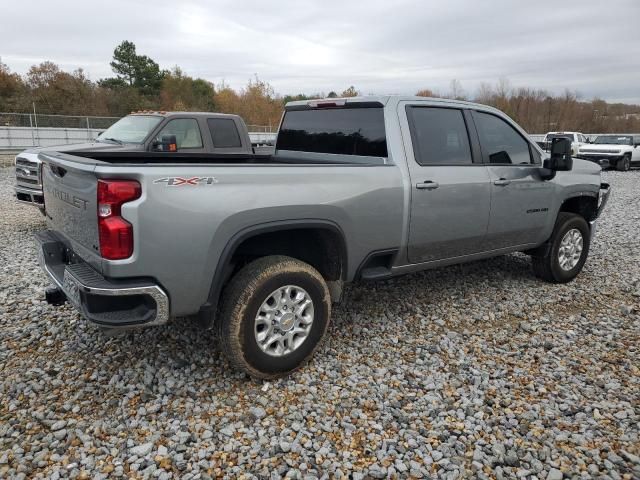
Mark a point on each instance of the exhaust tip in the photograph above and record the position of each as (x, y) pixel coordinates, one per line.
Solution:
(55, 296)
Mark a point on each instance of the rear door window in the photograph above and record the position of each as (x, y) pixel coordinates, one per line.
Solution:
(439, 136)
(341, 131)
(224, 133)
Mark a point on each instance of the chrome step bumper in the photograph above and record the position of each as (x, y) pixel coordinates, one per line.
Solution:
(106, 302)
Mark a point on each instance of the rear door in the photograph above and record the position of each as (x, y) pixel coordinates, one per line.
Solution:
(520, 198)
(450, 189)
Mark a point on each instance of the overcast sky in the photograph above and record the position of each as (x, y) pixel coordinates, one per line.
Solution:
(390, 46)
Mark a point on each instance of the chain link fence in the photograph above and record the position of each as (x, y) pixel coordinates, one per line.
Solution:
(23, 130)
(19, 131)
(32, 120)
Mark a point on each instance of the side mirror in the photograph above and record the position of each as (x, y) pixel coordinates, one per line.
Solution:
(560, 160)
(169, 143)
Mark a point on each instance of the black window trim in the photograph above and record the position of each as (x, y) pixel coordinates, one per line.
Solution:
(235, 126)
(485, 159)
(476, 159)
(184, 118)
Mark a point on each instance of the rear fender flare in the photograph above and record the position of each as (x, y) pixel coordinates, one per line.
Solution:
(208, 310)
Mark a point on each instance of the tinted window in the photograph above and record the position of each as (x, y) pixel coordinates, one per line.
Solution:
(186, 131)
(224, 132)
(500, 142)
(439, 136)
(343, 131)
(560, 135)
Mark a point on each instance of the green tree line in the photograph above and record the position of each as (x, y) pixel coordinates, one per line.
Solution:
(140, 84)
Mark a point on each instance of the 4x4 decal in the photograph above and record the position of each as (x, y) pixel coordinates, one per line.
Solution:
(180, 181)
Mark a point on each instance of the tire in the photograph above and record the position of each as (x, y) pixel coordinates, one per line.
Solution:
(624, 164)
(548, 266)
(247, 297)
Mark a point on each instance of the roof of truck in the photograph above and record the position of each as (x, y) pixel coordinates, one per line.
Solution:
(384, 100)
(168, 114)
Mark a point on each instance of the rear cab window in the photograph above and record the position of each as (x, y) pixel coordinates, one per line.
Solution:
(349, 131)
(224, 133)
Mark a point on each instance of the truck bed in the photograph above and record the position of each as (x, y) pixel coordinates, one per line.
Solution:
(179, 157)
(138, 158)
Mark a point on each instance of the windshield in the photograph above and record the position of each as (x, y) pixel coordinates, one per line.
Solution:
(613, 140)
(559, 135)
(131, 129)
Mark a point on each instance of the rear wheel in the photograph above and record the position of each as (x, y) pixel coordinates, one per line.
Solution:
(624, 164)
(567, 250)
(275, 313)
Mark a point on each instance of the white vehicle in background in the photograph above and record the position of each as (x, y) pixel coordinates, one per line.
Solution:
(577, 140)
(618, 151)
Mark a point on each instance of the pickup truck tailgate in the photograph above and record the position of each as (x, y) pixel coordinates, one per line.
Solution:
(70, 196)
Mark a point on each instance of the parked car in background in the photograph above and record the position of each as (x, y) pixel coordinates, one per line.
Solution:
(617, 151)
(577, 140)
(259, 246)
(194, 132)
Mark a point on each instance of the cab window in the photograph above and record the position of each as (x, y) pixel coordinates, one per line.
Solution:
(224, 133)
(439, 136)
(500, 142)
(186, 131)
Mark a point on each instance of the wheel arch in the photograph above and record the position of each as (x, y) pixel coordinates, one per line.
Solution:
(585, 205)
(256, 241)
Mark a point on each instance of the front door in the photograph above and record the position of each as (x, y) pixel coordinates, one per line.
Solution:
(520, 199)
(450, 193)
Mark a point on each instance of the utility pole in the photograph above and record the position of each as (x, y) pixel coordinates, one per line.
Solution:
(35, 119)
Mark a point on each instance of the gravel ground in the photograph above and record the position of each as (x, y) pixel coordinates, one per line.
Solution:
(474, 371)
(7, 159)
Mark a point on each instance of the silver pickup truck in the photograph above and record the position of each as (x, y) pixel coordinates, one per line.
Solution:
(259, 246)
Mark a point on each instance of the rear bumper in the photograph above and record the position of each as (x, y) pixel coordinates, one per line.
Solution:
(106, 302)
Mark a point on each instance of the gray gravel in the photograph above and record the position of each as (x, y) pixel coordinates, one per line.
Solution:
(471, 371)
(6, 159)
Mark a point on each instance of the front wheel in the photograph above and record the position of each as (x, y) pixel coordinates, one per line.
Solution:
(567, 250)
(624, 164)
(275, 313)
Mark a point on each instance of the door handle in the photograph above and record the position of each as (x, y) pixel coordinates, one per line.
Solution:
(428, 185)
(502, 182)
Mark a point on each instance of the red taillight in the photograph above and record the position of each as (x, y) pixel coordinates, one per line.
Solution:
(116, 234)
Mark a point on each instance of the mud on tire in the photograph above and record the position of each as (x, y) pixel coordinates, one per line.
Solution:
(244, 297)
